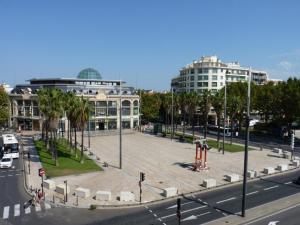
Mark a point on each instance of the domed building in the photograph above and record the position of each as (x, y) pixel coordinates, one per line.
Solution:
(90, 74)
(105, 97)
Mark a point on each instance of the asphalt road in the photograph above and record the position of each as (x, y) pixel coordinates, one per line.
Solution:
(289, 216)
(195, 209)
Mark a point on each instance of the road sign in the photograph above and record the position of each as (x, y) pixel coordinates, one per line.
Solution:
(41, 172)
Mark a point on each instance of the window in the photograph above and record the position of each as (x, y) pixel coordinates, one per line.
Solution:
(192, 71)
(199, 70)
(192, 77)
(192, 84)
(214, 77)
(112, 108)
(202, 84)
(221, 84)
(135, 107)
(125, 108)
(101, 108)
(214, 84)
(205, 77)
(205, 70)
(214, 91)
(221, 77)
(214, 70)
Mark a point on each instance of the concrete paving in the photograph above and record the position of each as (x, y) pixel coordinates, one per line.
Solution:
(166, 164)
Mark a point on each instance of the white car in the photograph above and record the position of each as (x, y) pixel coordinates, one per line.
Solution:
(6, 162)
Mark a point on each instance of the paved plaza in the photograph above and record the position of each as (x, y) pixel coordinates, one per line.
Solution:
(166, 164)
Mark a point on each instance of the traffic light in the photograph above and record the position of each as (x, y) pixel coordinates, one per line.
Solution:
(142, 176)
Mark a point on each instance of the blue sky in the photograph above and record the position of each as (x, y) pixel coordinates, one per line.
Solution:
(145, 42)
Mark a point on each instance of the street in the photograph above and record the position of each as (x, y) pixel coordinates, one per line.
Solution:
(195, 209)
(288, 216)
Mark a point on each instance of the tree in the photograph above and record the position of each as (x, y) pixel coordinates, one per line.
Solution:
(83, 112)
(183, 102)
(205, 104)
(4, 106)
(150, 106)
(234, 104)
(192, 103)
(217, 102)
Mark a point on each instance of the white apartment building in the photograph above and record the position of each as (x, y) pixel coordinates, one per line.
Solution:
(209, 73)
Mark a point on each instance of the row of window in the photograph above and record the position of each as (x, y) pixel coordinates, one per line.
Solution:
(205, 84)
(213, 71)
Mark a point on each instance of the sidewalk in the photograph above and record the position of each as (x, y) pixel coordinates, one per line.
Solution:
(160, 159)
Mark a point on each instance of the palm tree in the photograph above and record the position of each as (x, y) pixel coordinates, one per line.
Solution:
(83, 112)
(217, 102)
(205, 104)
(235, 105)
(193, 102)
(166, 104)
(184, 108)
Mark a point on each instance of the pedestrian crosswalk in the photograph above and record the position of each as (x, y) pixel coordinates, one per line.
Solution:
(25, 209)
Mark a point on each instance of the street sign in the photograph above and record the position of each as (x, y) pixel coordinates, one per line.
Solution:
(41, 172)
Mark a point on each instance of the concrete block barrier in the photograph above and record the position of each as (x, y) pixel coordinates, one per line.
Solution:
(82, 192)
(232, 177)
(252, 174)
(61, 189)
(296, 163)
(282, 167)
(269, 170)
(209, 183)
(49, 184)
(103, 195)
(277, 150)
(170, 192)
(126, 196)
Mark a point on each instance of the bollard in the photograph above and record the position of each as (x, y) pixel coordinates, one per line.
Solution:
(261, 148)
(77, 200)
(53, 199)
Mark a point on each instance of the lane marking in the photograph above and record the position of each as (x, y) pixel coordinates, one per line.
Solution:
(269, 188)
(174, 206)
(146, 207)
(164, 224)
(5, 212)
(189, 210)
(18, 174)
(27, 210)
(159, 219)
(150, 210)
(154, 215)
(9, 175)
(17, 210)
(289, 182)
(226, 200)
(2, 176)
(251, 193)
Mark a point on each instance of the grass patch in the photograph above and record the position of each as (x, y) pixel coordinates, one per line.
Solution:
(228, 147)
(68, 163)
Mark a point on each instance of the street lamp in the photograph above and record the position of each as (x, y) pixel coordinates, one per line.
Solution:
(172, 116)
(224, 125)
(246, 146)
(120, 118)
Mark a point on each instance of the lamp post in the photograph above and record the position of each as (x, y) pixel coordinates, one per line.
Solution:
(246, 146)
(172, 115)
(120, 118)
(225, 106)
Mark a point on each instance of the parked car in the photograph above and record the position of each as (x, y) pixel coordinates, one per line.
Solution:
(6, 162)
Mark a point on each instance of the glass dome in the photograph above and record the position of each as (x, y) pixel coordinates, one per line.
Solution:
(89, 73)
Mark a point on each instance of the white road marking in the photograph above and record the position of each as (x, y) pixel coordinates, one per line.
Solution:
(27, 210)
(17, 210)
(150, 210)
(289, 182)
(159, 219)
(164, 224)
(251, 193)
(225, 200)
(146, 207)
(174, 206)
(193, 217)
(154, 215)
(9, 175)
(265, 189)
(5, 212)
(37, 207)
(2, 176)
(18, 174)
(174, 214)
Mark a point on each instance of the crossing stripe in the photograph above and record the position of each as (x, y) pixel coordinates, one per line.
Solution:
(37, 207)
(5, 212)
(27, 210)
(17, 210)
